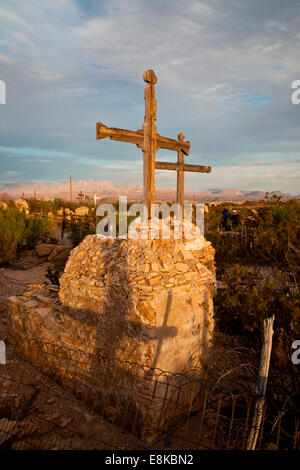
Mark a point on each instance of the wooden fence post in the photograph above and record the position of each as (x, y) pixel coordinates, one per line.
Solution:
(262, 381)
(63, 224)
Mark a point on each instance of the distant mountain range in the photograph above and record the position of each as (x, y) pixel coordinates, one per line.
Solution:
(107, 190)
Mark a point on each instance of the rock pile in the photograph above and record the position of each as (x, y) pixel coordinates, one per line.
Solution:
(139, 293)
(83, 210)
(38, 314)
(56, 253)
(130, 301)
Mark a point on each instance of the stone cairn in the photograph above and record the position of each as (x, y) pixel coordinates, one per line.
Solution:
(123, 303)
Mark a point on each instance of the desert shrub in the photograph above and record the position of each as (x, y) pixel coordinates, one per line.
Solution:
(19, 230)
(12, 226)
(36, 229)
(267, 234)
(240, 308)
(249, 297)
(80, 227)
(42, 208)
(58, 203)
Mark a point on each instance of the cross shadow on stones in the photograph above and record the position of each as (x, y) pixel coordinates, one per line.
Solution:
(121, 367)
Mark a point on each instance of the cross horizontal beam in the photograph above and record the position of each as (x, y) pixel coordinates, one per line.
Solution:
(182, 167)
(137, 137)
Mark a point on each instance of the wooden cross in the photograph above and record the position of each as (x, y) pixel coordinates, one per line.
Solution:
(81, 195)
(95, 197)
(150, 142)
(181, 167)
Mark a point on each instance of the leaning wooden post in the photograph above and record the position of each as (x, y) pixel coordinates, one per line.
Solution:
(149, 145)
(262, 381)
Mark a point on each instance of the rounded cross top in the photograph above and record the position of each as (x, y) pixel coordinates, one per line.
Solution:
(150, 77)
(181, 137)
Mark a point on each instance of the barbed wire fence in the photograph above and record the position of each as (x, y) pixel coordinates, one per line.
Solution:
(71, 407)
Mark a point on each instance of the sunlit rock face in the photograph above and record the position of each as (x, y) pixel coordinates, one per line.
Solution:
(150, 300)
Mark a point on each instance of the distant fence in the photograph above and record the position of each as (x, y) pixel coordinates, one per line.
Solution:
(50, 411)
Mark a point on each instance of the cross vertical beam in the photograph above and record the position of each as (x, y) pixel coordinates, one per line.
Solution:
(149, 146)
(180, 174)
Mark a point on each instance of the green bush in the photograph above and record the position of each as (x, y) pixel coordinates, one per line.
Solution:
(42, 208)
(36, 229)
(19, 230)
(81, 226)
(12, 227)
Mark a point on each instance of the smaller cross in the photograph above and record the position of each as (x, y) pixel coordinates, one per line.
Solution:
(95, 197)
(181, 167)
(81, 195)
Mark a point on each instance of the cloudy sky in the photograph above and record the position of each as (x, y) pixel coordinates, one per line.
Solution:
(224, 68)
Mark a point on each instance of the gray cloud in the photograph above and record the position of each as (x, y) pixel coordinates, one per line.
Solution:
(224, 78)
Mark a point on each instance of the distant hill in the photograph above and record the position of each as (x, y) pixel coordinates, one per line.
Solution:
(5, 197)
(107, 190)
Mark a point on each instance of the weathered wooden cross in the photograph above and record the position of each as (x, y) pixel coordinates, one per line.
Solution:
(81, 196)
(150, 142)
(95, 197)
